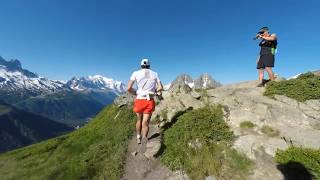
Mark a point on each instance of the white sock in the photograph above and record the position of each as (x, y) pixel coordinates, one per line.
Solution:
(138, 136)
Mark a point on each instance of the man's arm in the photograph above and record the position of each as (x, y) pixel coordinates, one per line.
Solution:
(159, 86)
(273, 37)
(130, 89)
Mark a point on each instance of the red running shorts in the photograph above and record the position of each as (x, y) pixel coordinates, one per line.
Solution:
(143, 106)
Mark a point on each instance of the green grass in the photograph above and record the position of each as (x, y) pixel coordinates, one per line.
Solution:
(199, 143)
(247, 125)
(269, 131)
(305, 87)
(96, 151)
(309, 158)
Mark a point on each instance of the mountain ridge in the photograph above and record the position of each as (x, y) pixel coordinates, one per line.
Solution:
(20, 128)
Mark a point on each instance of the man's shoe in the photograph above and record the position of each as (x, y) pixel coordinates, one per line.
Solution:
(264, 81)
(260, 85)
(139, 139)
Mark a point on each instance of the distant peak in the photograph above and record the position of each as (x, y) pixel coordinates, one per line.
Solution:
(15, 65)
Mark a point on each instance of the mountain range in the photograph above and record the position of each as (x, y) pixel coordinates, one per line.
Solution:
(72, 102)
(204, 81)
(35, 108)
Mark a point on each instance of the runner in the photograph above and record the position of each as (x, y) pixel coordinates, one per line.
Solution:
(149, 85)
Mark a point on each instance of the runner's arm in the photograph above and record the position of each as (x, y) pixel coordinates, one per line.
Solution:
(159, 86)
(130, 89)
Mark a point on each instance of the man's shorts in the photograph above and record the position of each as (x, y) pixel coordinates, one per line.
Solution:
(265, 60)
(144, 106)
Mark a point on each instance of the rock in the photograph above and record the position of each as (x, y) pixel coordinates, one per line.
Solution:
(162, 124)
(189, 102)
(210, 178)
(196, 95)
(172, 113)
(317, 73)
(265, 167)
(125, 99)
(248, 144)
(314, 104)
(152, 149)
(286, 100)
(134, 153)
(178, 89)
(178, 175)
(279, 78)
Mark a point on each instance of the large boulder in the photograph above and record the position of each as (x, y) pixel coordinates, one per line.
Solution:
(124, 100)
(317, 73)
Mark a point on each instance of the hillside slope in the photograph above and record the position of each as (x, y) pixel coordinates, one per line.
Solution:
(68, 107)
(95, 151)
(19, 128)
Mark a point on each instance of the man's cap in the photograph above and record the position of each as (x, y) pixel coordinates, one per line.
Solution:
(264, 29)
(145, 62)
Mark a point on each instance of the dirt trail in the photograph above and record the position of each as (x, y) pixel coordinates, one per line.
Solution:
(139, 167)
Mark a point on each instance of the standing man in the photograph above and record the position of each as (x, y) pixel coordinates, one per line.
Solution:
(266, 58)
(149, 85)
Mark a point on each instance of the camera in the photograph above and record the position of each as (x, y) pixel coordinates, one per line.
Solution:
(257, 35)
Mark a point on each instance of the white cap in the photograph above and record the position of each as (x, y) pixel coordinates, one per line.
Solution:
(145, 62)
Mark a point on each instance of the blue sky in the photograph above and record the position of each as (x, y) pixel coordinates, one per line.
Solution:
(59, 39)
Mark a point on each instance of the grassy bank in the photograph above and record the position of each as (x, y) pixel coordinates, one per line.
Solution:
(96, 151)
(297, 158)
(304, 87)
(199, 143)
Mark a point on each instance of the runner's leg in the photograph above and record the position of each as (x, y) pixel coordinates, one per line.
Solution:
(270, 73)
(261, 73)
(139, 123)
(145, 124)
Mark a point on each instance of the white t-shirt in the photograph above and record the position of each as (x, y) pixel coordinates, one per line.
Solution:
(146, 81)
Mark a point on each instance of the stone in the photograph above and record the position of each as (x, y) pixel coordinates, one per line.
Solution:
(210, 178)
(152, 148)
(196, 95)
(124, 100)
(134, 153)
(287, 100)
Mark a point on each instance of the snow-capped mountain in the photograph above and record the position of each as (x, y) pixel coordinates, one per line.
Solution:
(14, 78)
(183, 79)
(96, 82)
(205, 81)
(316, 72)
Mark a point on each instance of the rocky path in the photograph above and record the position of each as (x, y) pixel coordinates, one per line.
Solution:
(145, 166)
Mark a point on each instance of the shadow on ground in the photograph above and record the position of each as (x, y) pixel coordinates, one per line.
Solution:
(295, 171)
